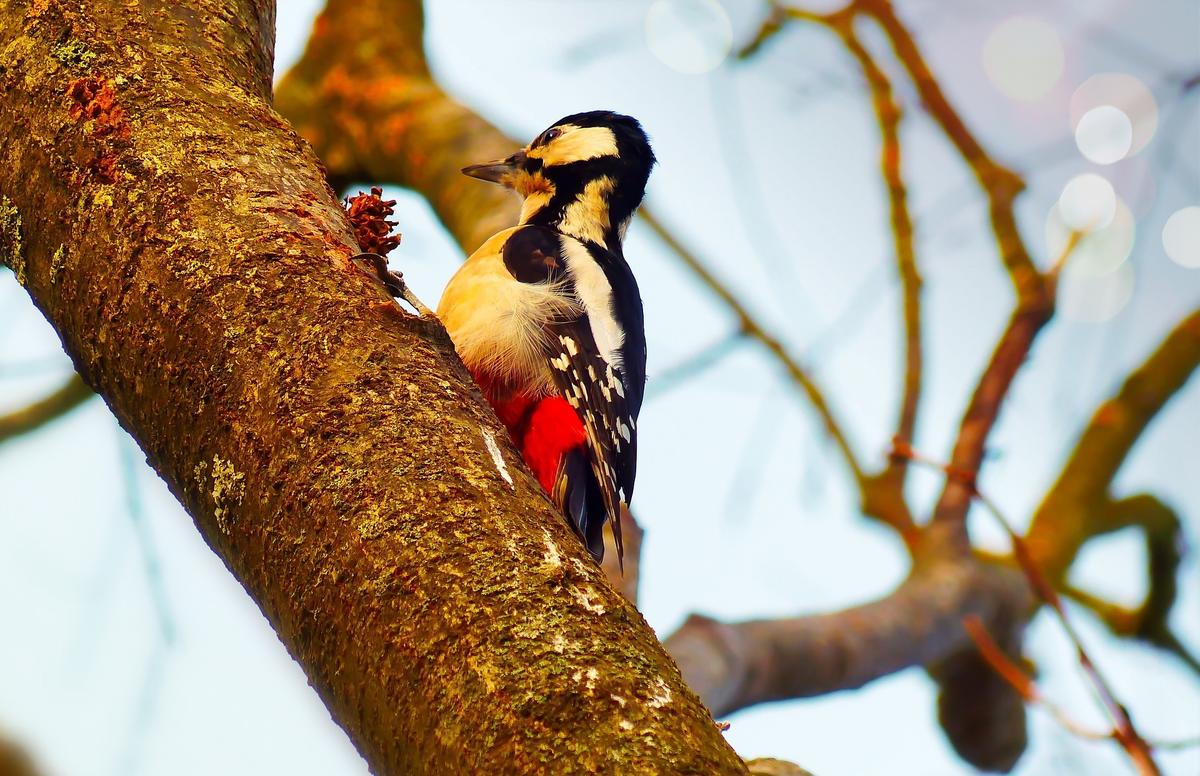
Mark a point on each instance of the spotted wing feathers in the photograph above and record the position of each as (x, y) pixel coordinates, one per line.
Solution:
(594, 388)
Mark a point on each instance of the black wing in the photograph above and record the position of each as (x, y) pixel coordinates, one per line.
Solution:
(627, 308)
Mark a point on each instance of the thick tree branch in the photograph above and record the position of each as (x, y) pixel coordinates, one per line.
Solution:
(363, 96)
(50, 407)
(311, 95)
(14, 760)
(1068, 514)
(334, 453)
(735, 665)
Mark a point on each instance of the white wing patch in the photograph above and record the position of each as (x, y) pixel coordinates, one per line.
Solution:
(596, 293)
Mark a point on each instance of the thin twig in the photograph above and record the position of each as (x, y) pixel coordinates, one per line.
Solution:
(54, 405)
(707, 357)
(1016, 677)
(1020, 681)
(754, 330)
(887, 115)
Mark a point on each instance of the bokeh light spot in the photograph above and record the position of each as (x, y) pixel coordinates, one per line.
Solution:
(1087, 203)
(1094, 297)
(1023, 57)
(1098, 252)
(689, 36)
(1104, 134)
(1181, 237)
(1123, 92)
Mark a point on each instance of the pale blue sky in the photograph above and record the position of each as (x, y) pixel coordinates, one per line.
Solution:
(768, 169)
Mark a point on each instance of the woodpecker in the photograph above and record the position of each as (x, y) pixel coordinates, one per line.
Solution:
(548, 318)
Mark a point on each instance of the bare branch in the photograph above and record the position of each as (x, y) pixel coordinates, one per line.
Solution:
(888, 114)
(1034, 293)
(1074, 509)
(1000, 184)
(735, 665)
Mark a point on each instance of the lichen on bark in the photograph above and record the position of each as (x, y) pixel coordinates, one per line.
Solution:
(11, 251)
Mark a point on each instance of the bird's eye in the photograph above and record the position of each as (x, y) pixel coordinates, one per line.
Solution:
(550, 134)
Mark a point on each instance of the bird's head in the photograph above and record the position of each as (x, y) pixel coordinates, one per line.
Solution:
(586, 174)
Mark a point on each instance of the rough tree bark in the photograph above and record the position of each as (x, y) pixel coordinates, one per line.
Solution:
(183, 242)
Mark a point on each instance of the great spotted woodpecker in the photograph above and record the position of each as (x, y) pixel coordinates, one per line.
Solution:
(548, 318)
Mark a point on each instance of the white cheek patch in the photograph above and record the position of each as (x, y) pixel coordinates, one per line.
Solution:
(578, 144)
(594, 290)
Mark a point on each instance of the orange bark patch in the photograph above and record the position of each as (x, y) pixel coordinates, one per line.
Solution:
(105, 168)
(1108, 415)
(95, 99)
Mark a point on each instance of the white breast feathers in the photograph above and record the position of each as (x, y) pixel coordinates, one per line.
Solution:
(498, 324)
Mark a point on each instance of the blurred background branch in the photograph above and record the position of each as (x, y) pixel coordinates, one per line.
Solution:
(53, 405)
(14, 760)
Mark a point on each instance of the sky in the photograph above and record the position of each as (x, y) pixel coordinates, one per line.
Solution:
(129, 649)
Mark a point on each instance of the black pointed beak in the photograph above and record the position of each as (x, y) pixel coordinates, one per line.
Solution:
(497, 171)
